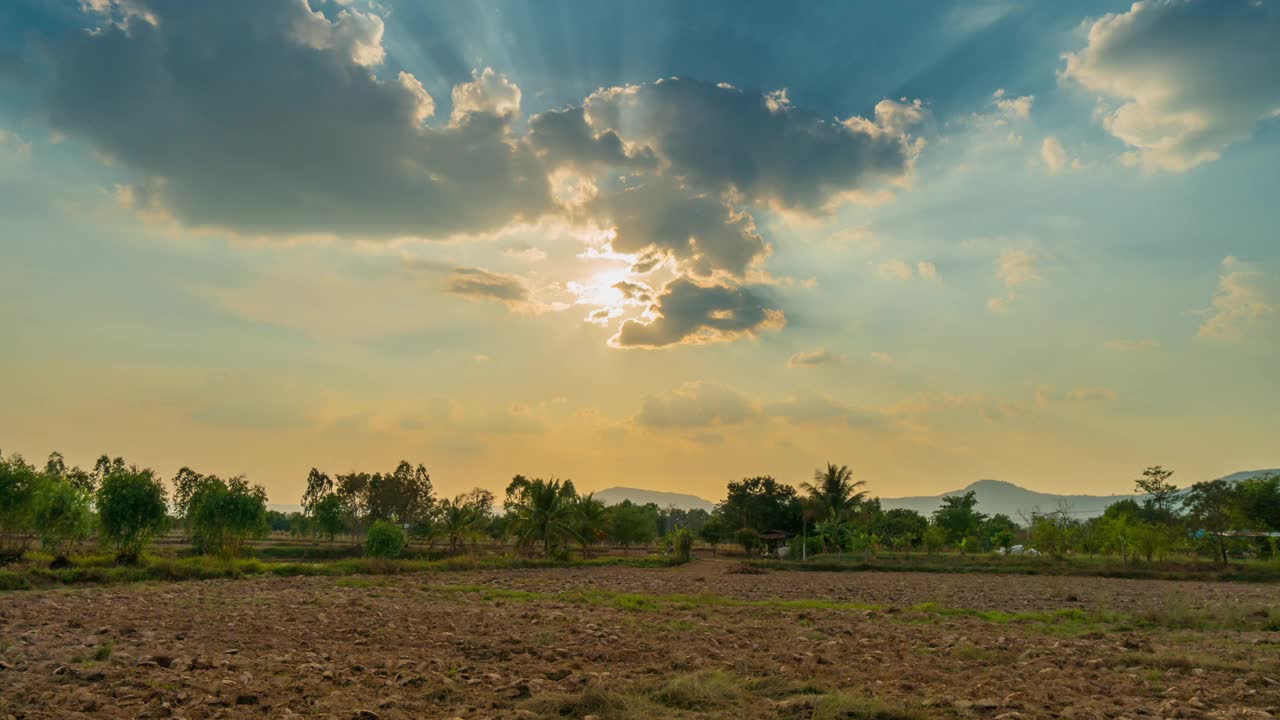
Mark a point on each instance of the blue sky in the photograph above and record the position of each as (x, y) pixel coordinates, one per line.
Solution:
(657, 244)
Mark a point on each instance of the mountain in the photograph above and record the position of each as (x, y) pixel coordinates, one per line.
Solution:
(614, 495)
(997, 496)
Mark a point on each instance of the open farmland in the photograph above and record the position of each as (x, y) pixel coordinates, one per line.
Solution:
(703, 640)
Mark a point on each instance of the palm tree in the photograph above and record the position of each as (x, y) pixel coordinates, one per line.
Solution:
(543, 512)
(457, 520)
(834, 490)
(589, 520)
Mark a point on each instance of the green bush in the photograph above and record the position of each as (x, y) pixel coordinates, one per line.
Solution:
(226, 514)
(385, 540)
(18, 482)
(682, 544)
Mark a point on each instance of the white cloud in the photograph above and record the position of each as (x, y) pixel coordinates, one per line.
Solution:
(1054, 155)
(1015, 269)
(1239, 304)
(1191, 76)
(894, 270)
(488, 92)
(815, 358)
(927, 270)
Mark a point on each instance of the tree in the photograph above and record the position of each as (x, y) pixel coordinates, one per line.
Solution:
(590, 519)
(958, 517)
(749, 539)
(18, 484)
(1213, 507)
(631, 524)
(224, 514)
(713, 531)
(761, 503)
(55, 468)
(903, 527)
(62, 517)
(1160, 492)
(541, 512)
(1000, 531)
(385, 540)
(934, 539)
(458, 520)
(328, 516)
(833, 491)
(131, 510)
(319, 486)
(402, 496)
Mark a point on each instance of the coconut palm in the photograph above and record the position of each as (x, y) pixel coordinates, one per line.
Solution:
(542, 511)
(457, 521)
(590, 517)
(834, 491)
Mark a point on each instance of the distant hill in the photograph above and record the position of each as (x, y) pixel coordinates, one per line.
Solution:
(614, 495)
(997, 496)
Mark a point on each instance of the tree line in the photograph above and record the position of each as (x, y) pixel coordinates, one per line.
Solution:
(125, 507)
(834, 514)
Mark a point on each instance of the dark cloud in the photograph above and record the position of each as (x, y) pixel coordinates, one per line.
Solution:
(686, 312)
(634, 291)
(565, 138)
(478, 283)
(721, 138)
(695, 405)
(701, 232)
(266, 117)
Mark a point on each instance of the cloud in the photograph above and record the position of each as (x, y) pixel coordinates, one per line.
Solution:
(1239, 304)
(485, 285)
(1131, 345)
(695, 405)
(1017, 108)
(686, 312)
(927, 270)
(661, 217)
(894, 270)
(759, 146)
(1015, 269)
(488, 93)
(883, 358)
(1054, 155)
(566, 138)
(814, 408)
(1191, 77)
(815, 358)
(285, 129)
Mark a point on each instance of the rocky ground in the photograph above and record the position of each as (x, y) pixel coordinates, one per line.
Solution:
(541, 643)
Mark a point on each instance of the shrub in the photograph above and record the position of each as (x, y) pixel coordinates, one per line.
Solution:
(131, 510)
(682, 544)
(62, 518)
(749, 539)
(385, 540)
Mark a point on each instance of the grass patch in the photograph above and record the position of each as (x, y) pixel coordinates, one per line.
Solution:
(638, 602)
(714, 695)
(103, 652)
(1160, 662)
(1238, 571)
(34, 574)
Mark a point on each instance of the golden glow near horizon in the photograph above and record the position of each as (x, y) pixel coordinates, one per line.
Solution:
(661, 270)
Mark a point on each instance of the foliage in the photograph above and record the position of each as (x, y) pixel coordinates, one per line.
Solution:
(590, 521)
(384, 540)
(631, 524)
(1160, 492)
(131, 510)
(713, 532)
(958, 517)
(18, 484)
(1214, 509)
(761, 503)
(682, 544)
(328, 516)
(749, 539)
(462, 518)
(62, 516)
(542, 512)
(833, 491)
(223, 514)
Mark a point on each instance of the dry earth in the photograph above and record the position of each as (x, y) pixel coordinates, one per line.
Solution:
(466, 644)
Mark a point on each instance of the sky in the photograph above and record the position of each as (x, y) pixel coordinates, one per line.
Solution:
(662, 244)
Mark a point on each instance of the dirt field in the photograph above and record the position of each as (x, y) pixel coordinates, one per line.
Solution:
(696, 641)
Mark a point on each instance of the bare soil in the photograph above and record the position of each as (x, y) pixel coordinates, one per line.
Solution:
(440, 646)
